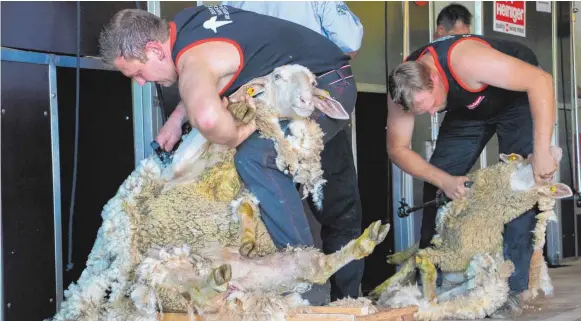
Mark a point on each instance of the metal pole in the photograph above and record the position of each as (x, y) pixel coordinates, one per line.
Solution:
(575, 112)
(574, 95)
(554, 243)
(479, 30)
(56, 181)
(404, 227)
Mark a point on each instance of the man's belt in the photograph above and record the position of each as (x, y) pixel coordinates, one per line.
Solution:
(336, 75)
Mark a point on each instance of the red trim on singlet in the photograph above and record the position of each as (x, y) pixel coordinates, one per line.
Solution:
(230, 41)
(438, 66)
(462, 84)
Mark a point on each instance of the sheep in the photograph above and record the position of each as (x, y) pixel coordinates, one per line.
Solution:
(187, 237)
(468, 243)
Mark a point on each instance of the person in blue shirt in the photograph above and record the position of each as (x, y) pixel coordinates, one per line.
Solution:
(332, 19)
(340, 217)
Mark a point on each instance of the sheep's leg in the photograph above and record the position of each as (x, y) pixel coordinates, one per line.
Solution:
(247, 219)
(408, 267)
(201, 293)
(429, 275)
(354, 250)
(403, 256)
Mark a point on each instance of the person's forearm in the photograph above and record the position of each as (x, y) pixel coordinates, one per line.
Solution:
(179, 115)
(413, 164)
(541, 99)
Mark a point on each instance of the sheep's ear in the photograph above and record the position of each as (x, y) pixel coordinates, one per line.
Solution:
(328, 105)
(558, 190)
(511, 158)
(252, 88)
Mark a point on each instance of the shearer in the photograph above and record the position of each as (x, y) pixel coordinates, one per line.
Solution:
(214, 50)
(486, 86)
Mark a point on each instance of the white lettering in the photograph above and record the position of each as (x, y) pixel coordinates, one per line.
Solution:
(516, 14)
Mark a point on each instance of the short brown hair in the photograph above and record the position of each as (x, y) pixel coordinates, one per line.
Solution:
(407, 79)
(128, 32)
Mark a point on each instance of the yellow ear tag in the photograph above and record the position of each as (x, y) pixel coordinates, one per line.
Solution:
(250, 91)
(512, 157)
(326, 93)
(553, 189)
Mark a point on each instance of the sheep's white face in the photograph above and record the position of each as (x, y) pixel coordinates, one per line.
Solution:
(292, 90)
(523, 180)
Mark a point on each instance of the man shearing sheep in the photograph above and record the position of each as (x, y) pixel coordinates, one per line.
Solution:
(214, 50)
(486, 86)
(335, 21)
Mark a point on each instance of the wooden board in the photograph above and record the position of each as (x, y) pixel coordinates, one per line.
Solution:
(315, 313)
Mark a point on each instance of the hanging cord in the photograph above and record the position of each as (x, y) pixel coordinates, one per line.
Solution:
(76, 146)
(389, 171)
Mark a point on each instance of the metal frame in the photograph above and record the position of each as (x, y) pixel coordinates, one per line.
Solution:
(554, 239)
(52, 62)
(403, 227)
(56, 181)
(147, 119)
(575, 118)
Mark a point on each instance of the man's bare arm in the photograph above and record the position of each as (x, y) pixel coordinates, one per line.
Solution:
(400, 127)
(479, 64)
(200, 76)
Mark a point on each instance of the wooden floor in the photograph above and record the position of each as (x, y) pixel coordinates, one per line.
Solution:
(565, 304)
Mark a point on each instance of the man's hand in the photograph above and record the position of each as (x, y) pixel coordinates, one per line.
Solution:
(245, 132)
(454, 187)
(544, 166)
(242, 107)
(169, 134)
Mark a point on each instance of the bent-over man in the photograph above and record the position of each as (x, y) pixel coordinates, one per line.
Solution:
(213, 50)
(486, 86)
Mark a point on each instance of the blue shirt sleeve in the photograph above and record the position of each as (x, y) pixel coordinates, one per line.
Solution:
(340, 24)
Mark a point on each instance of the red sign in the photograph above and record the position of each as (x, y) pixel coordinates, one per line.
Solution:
(421, 3)
(510, 17)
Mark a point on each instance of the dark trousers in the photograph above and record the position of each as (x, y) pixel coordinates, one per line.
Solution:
(460, 142)
(280, 202)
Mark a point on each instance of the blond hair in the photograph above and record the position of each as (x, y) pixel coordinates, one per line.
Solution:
(128, 32)
(407, 79)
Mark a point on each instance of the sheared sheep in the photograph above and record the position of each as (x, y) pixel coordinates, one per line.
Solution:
(188, 237)
(470, 230)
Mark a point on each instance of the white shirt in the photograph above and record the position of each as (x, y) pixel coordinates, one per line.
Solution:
(333, 19)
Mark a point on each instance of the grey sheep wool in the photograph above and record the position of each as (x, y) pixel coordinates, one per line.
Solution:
(188, 238)
(471, 228)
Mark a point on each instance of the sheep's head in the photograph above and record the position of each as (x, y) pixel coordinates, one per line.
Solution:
(522, 178)
(292, 91)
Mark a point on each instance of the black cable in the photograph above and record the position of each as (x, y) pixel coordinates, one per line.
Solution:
(389, 171)
(76, 144)
(560, 39)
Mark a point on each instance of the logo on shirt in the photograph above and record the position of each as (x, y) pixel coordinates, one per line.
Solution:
(217, 11)
(476, 102)
(213, 24)
(342, 9)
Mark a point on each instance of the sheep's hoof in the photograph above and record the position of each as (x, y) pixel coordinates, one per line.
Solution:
(372, 236)
(222, 274)
(248, 249)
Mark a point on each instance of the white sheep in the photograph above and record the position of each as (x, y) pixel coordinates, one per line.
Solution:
(468, 244)
(188, 237)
